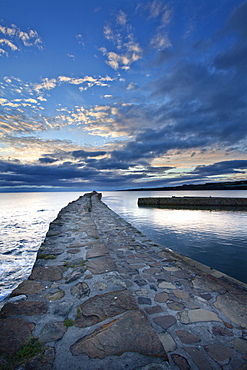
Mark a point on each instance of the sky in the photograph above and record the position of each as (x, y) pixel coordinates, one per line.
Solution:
(118, 94)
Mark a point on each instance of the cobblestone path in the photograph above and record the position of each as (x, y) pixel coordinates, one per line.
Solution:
(103, 296)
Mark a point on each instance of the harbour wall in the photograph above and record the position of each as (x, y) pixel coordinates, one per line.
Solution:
(199, 202)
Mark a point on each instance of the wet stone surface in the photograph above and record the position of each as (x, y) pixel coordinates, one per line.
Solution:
(103, 296)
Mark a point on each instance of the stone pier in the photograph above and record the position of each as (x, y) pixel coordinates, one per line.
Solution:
(194, 202)
(103, 296)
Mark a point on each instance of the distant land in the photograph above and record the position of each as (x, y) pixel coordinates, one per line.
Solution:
(231, 185)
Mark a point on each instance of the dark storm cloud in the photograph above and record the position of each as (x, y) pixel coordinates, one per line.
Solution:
(201, 101)
(85, 154)
(47, 160)
(107, 164)
(155, 142)
(237, 21)
(235, 56)
(43, 175)
(163, 56)
(20, 175)
(221, 168)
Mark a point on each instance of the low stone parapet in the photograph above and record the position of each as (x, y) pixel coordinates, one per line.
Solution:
(199, 202)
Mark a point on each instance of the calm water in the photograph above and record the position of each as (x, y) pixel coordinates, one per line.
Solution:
(216, 238)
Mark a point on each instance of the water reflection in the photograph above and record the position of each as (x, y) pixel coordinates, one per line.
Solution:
(216, 238)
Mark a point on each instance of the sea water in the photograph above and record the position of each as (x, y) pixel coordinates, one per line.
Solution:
(215, 238)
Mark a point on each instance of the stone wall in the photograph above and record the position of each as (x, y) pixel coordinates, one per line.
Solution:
(194, 202)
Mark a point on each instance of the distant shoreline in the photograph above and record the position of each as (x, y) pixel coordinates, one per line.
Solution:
(237, 185)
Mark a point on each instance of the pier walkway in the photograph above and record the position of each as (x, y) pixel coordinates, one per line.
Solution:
(102, 296)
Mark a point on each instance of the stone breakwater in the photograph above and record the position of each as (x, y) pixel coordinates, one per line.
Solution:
(194, 202)
(101, 295)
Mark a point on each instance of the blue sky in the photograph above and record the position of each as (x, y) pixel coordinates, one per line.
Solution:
(122, 94)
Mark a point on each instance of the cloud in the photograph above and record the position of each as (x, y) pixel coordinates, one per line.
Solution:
(121, 61)
(46, 84)
(10, 44)
(237, 21)
(132, 86)
(46, 160)
(108, 33)
(80, 39)
(13, 36)
(157, 9)
(152, 143)
(235, 57)
(127, 50)
(86, 154)
(89, 81)
(222, 168)
(121, 18)
(160, 41)
(69, 175)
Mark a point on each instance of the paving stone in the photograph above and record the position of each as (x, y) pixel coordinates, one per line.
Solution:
(219, 353)
(166, 285)
(171, 269)
(199, 315)
(154, 366)
(76, 274)
(28, 308)
(181, 274)
(198, 358)
(155, 264)
(218, 330)
(101, 307)
(63, 308)
(227, 325)
(17, 298)
(144, 300)
(187, 337)
(75, 262)
(206, 296)
(161, 297)
(191, 305)
(244, 367)
(176, 306)
(131, 332)
(165, 321)
(92, 233)
(100, 285)
(180, 294)
(97, 250)
(180, 361)
(168, 342)
(51, 273)
(117, 280)
(80, 290)
(28, 287)
(73, 250)
(101, 265)
(240, 345)
(232, 308)
(14, 333)
(136, 267)
(52, 331)
(154, 309)
(141, 292)
(55, 296)
(151, 271)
